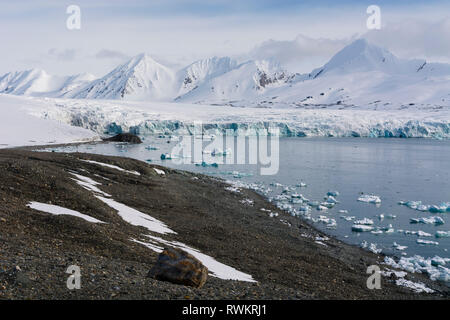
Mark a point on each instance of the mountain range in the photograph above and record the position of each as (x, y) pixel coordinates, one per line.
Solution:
(360, 75)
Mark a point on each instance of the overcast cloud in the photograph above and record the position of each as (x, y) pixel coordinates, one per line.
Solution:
(301, 34)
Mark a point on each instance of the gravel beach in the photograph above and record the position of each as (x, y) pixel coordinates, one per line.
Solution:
(281, 253)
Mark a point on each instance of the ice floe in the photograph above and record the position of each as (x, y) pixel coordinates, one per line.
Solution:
(361, 228)
(369, 198)
(417, 287)
(399, 247)
(57, 210)
(364, 221)
(442, 234)
(420, 264)
(429, 242)
(431, 220)
(371, 247)
(417, 205)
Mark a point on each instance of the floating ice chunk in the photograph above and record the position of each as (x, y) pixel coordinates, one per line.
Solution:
(364, 221)
(361, 228)
(322, 208)
(442, 234)
(438, 209)
(369, 198)
(166, 156)
(391, 216)
(296, 201)
(431, 220)
(276, 184)
(399, 247)
(417, 287)
(301, 185)
(327, 205)
(305, 208)
(348, 218)
(419, 233)
(313, 203)
(423, 241)
(330, 222)
(219, 152)
(331, 199)
(57, 210)
(413, 204)
(423, 208)
(421, 265)
(333, 193)
(343, 211)
(205, 164)
(389, 272)
(438, 261)
(371, 247)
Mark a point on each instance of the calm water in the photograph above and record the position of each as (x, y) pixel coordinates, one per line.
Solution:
(394, 169)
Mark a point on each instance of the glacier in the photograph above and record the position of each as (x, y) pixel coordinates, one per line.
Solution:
(154, 118)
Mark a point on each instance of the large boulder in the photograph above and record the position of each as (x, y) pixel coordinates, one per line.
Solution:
(177, 266)
(125, 137)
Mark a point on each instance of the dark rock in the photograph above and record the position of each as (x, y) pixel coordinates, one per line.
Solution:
(125, 137)
(177, 266)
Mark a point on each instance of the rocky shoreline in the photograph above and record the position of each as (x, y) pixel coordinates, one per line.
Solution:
(281, 253)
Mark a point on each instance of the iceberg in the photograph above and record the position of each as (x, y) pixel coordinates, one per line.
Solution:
(419, 264)
(422, 241)
(333, 193)
(442, 234)
(364, 221)
(369, 199)
(432, 220)
(371, 247)
(399, 247)
(361, 228)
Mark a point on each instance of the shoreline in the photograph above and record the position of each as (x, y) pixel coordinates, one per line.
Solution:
(391, 255)
(208, 217)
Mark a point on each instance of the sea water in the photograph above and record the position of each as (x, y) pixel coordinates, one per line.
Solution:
(393, 169)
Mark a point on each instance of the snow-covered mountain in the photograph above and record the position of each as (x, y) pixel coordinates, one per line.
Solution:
(360, 75)
(36, 82)
(248, 80)
(141, 78)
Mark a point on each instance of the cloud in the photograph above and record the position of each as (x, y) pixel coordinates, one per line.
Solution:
(111, 54)
(301, 54)
(64, 55)
(415, 39)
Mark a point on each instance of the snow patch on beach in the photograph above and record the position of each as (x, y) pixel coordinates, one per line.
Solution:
(57, 210)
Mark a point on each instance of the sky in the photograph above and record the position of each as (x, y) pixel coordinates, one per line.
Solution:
(302, 35)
